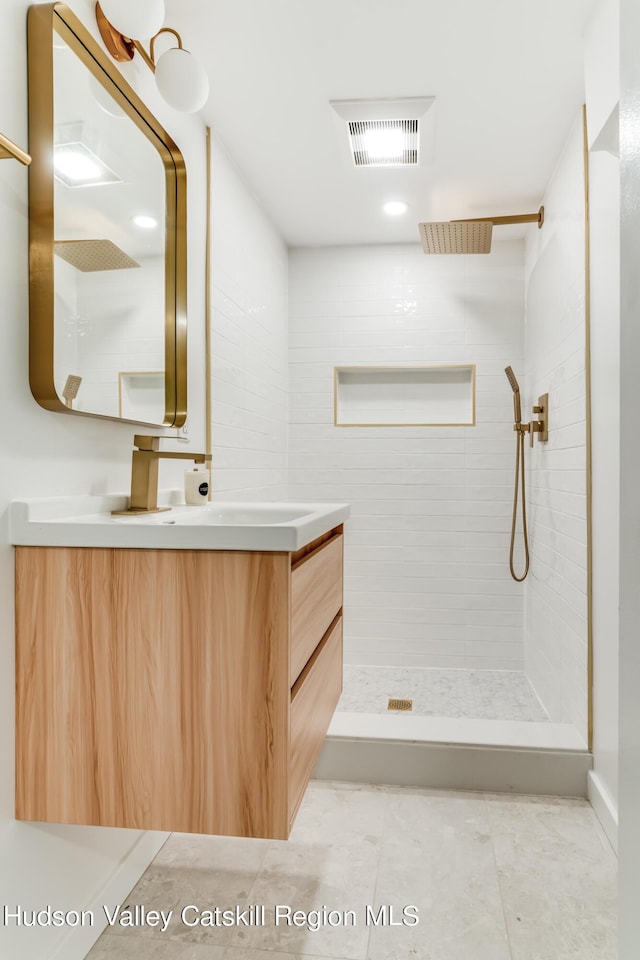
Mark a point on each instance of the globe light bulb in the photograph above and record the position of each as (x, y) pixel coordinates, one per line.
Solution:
(139, 20)
(181, 80)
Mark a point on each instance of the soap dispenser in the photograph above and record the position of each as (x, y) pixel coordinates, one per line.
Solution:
(196, 487)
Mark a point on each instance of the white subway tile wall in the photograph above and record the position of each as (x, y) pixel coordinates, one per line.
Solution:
(96, 347)
(249, 365)
(556, 601)
(426, 549)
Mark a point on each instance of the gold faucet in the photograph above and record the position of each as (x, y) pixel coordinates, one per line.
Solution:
(144, 474)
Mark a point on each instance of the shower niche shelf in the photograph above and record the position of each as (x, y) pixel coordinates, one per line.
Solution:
(141, 395)
(420, 395)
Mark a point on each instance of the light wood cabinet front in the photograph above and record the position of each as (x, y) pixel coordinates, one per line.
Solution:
(313, 700)
(316, 598)
(153, 689)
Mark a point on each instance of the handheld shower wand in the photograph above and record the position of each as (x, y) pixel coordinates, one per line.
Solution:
(517, 410)
(520, 481)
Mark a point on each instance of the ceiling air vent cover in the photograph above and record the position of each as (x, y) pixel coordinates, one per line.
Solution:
(384, 143)
(388, 133)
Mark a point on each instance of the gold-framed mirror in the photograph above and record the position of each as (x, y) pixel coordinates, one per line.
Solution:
(107, 234)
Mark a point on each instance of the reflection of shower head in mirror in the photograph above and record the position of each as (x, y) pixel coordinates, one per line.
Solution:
(71, 387)
(511, 377)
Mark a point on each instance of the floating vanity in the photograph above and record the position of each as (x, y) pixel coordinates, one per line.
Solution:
(176, 671)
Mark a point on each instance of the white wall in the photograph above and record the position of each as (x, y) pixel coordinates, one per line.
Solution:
(249, 343)
(426, 548)
(556, 598)
(42, 454)
(629, 845)
(602, 63)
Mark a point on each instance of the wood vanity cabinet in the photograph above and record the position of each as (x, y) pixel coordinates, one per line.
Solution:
(180, 690)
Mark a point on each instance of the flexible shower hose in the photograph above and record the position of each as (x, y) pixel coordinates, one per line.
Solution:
(520, 437)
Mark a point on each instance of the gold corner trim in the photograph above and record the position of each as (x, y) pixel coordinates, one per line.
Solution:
(43, 20)
(589, 451)
(207, 309)
(473, 393)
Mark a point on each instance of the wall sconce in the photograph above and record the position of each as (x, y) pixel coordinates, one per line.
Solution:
(181, 80)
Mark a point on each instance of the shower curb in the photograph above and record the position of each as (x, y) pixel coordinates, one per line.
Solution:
(450, 766)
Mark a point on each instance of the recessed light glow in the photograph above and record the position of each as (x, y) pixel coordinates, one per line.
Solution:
(77, 166)
(395, 207)
(147, 223)
(387, 143)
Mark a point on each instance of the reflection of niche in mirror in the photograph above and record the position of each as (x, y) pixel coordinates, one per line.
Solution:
(106, 172)
(141, 394)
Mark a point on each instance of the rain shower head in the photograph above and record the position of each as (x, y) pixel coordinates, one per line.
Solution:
(468, 236)
(511, 377)
(456, 236)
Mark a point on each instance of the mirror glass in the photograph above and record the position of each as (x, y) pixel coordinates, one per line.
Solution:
(106, 199)
(109, 229)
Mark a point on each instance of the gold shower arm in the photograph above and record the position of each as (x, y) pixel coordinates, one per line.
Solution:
(10, 150)
(500, 221)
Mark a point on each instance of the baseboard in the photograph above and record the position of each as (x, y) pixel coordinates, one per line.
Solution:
(545, 772)
(604, 807)
(79, 941)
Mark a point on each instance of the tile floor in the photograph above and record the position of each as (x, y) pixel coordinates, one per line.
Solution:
(477, 694)
(492, 877)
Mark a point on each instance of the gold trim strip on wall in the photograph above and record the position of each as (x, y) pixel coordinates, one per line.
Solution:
(11, 151)
(207, 313)
(587, 372)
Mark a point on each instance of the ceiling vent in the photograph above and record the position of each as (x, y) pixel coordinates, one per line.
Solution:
(386, 133)
(384, 143)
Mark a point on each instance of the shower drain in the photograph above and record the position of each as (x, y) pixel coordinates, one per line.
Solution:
(400, 704)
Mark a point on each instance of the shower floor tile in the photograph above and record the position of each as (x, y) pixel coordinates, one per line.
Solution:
(438, 692)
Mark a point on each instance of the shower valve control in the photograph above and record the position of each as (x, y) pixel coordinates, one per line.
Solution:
(540, 427)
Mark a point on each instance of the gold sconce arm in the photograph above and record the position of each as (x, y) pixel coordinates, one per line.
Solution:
(11, 151)
(150, 58)
(540, 427)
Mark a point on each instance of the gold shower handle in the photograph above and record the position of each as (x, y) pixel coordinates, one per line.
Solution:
(541, 425)
(534, 427)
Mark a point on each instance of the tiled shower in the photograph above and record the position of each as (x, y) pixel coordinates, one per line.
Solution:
(431, 612)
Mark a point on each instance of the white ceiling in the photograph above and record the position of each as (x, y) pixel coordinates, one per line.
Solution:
(507, 76)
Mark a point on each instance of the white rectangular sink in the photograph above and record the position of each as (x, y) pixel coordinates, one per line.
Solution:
(250, 514)
(87, 521)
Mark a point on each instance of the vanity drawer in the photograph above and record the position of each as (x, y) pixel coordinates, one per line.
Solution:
(313, 701)
(316, 598)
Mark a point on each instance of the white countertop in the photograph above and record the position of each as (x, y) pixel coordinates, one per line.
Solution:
(86, 521)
